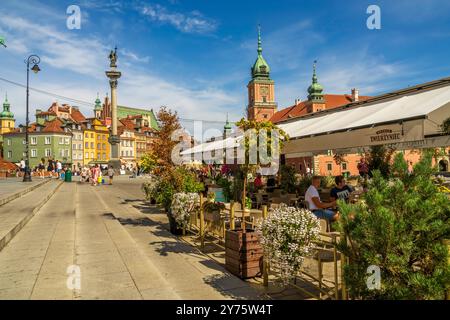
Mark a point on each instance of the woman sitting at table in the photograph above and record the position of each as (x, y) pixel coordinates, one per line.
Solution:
(341, 191)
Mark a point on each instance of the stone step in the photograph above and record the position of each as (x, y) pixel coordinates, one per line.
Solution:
(15, 214)
(16, 189)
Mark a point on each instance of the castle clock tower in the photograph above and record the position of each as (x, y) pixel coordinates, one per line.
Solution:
(261, 89)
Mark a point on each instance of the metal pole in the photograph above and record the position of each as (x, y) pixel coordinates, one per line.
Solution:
(27, 173)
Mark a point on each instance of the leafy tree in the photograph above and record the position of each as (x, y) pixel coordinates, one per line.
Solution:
(445, 127)
(148, 162)
(379, 158)
(400, 226)
(288, 180)
(251, 144)
(164, 144)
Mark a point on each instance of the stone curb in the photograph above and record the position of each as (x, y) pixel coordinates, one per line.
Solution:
(22, 193)
(11, 234)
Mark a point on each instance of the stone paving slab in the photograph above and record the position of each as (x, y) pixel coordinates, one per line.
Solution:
(192, 274)
(15, 214)
(11, 189)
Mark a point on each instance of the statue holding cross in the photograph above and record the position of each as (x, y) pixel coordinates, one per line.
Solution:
(113, 58)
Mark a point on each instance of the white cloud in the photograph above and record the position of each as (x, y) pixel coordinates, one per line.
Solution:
(193, 22)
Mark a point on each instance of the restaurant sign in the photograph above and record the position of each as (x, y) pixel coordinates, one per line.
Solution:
(386, 135)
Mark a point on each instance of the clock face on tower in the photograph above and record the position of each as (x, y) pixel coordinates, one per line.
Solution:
(264, 91)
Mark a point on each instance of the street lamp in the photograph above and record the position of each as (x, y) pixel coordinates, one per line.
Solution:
(32, 60)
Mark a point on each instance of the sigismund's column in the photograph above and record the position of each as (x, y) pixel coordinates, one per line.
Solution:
(114, 139)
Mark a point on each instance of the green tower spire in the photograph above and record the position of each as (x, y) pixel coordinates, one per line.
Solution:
(260, 69)
(6, 114)
(315, 90)
(98, 104)
(227, 125)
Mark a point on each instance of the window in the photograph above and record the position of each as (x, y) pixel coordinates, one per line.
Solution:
(24, 154)
(92, 135)
(24, 141)
(103, 137)
(92, 155)
(344, 166)
(61, 153)
(48, 152)
(66, 152)
(104, 146)
(98, 156)
(80, 146)
(86, 155)
(92, 145)
(86, 145)
(126, 153)
(121, 153)
(98, 146)
(74, 146)
(61, 140)
(330, 166)
(48, 140)
(9, 154)
(104, 156)
(33, 153)
(8, 142)
(86, 135)
(34, 140)
(67, 140)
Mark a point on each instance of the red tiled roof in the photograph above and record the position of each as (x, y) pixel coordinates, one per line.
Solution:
(5, 165)
(53, 126)
(128, 124)
(77, 115)
(331, 101)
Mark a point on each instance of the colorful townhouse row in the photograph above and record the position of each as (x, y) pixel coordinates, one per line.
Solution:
(63, 133)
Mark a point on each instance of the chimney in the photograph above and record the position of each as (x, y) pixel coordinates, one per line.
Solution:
(355, 95)
(298, 101)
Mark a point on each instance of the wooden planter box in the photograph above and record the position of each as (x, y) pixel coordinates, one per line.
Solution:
(243, 253)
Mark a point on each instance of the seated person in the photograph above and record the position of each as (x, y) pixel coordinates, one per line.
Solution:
(319, 208)
(271, 183)
(341, 190)
(258, 182)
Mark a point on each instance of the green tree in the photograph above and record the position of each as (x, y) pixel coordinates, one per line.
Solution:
(379, 158)
(288, 180)
(149, 162)
(400, 226)
(252, 144)
(445, 127)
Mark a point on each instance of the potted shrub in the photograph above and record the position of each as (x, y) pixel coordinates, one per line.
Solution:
(287, 237)
(151, 188)
(183, 205)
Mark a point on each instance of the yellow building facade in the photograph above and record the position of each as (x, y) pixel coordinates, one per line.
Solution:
(96, 145)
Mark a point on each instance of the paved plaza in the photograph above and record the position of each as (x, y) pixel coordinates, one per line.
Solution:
(114, 245)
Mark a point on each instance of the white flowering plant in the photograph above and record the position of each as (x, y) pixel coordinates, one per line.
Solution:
(288, 236)
(183, 205)
(151, 187)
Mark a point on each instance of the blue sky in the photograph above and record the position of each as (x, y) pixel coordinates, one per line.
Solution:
(195, 56)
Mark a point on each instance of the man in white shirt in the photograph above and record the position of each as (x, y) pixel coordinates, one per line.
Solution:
(319, 208)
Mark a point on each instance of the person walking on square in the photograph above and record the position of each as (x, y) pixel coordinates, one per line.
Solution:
(95, 175)
(110, 175)
(58, 168)
(41, 168)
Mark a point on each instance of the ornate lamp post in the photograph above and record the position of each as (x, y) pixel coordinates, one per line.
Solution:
(114, 139)
(32, 60)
